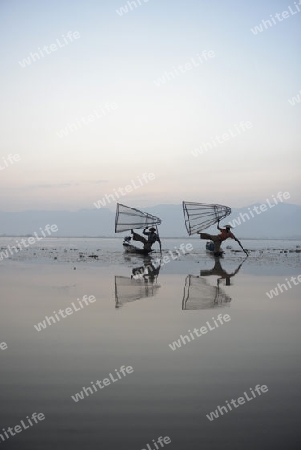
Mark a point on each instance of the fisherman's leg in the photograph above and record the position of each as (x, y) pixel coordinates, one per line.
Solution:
(137, 237)
(217, 246)
(206, 236)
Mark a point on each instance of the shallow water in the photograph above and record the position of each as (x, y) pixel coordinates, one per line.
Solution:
(132, 322)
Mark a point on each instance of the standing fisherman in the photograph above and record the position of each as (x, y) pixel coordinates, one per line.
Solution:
(225, 233)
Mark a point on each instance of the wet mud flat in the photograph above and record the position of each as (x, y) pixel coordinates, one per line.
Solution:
(110, 251)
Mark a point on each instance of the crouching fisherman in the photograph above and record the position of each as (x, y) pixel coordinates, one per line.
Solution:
(152, 237)
(225, 234)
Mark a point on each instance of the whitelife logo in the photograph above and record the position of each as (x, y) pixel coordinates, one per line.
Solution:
(68, 311)
(295, 100)
(108, 198)
(79, 122)
(259, 209)
(106, 382)
(218, 140)
(161, 440)
(33, 57)
(24, 426)
(178, 71)
(280, 17)
(158, 262)
(30, 241)
(283, 287)
(199, 332)
(9, 160)
(124, 9)
(241, 401)
(3, 346)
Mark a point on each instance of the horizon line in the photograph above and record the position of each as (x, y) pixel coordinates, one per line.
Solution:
(145, 207)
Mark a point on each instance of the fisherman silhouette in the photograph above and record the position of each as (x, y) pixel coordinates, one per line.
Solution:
(149, 271)
(221, 272)
(152, 237)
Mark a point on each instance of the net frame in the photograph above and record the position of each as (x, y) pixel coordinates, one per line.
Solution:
(146, 219)
(199, 294)
(200, 216)
(129, 290)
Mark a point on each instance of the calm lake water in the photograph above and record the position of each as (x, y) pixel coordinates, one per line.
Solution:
(141, 309)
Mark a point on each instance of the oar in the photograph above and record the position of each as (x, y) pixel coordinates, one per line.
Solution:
(242, 247)
(159, 238)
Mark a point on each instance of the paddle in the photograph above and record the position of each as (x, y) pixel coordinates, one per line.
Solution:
(239, 243)
(159, 239)
(242, 247)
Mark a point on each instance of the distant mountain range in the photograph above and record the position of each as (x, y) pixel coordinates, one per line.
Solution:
(282, 222)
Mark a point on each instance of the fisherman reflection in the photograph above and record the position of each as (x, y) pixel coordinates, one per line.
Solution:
(148, 272)
(142, 283)
(221, 272)
(199, 294)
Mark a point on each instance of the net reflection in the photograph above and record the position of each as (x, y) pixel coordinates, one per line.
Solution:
(199, 294)
(142, 283)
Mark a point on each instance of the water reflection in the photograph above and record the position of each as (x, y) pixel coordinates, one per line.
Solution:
(219, 271)
(142, 283)
(199, 294)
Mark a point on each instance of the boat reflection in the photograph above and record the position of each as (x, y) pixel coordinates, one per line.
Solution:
(199, 294)
(142, 283)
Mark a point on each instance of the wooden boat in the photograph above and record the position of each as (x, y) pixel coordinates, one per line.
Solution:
(129, 248)
(210, 249)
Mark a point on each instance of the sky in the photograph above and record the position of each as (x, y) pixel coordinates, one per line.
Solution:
(128, 94)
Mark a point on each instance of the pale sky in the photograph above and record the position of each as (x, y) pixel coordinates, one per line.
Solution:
(111, 66)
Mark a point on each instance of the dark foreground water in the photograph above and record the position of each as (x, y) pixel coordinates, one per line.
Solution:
(133, 322)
